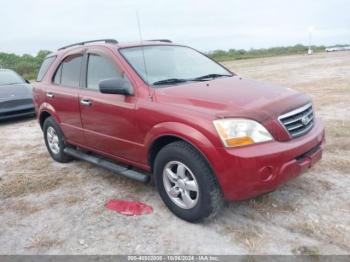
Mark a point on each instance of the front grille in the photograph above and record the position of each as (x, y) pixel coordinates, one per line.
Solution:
(308, 153)
(298, 121)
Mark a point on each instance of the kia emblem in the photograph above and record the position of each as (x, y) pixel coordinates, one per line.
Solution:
(305, 120)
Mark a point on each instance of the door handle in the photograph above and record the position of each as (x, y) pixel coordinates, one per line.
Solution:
(85, 102)
(50, 95)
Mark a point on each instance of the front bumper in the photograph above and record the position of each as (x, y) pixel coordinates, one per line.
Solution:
(17, 111)
(253, 170)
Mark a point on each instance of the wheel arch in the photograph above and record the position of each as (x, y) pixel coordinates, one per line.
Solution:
(166, 133)
(158, 144)
(45, 111)
(42, 117)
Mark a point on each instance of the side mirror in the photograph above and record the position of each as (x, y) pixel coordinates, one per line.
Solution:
(116, 86)
(27, 81)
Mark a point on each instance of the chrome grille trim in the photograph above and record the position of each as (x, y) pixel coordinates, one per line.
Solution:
(292, 121)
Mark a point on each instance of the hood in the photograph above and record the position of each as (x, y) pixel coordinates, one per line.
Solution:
(15, 92)
(234, 97)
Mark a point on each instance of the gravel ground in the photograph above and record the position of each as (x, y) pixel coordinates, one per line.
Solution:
(52, 208)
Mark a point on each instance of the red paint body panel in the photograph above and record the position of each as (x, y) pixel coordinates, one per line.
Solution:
(124, 128)
(239, 169)
(109, 123)
(66, 105)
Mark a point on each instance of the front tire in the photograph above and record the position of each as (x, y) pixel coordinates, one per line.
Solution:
(186, 182)
(54, 140)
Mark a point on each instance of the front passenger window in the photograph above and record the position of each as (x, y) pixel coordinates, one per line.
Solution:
(99, 68)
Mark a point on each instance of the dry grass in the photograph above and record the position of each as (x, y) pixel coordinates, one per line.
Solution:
(248, 235)
(26, 184)
(338, 129)
(21, 207)
(306, 250)
(67, 200)
(43, 243)
(333, 163)
(323, 232)
(322, 91)
(72, 200)
(266, 204)
(22, 165)
(325, 185)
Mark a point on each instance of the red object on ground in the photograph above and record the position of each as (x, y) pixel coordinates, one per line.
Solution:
(129, 208)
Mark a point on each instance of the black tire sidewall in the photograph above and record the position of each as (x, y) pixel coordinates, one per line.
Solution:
(60, 156)
(200, 169)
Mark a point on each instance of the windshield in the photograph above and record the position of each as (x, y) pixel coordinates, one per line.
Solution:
(8, 77)
(168, 64)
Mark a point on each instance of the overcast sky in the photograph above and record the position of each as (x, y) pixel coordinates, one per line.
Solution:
(26, 26)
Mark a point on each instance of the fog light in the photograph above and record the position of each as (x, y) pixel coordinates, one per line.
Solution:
(266, 173)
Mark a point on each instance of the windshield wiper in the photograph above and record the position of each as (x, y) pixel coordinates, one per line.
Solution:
(170, 81)
(211, 76)
(181, 80)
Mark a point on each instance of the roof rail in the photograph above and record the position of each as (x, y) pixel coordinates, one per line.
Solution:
(160, 40)
(111, 41)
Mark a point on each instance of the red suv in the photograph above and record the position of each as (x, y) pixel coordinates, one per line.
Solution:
(168, 113)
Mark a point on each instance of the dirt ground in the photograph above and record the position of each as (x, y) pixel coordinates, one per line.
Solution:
(52, 208)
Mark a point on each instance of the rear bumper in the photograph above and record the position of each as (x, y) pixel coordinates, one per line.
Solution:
(257, 169)
(16, 112)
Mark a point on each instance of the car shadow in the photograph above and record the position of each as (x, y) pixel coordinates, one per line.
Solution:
(16, 120)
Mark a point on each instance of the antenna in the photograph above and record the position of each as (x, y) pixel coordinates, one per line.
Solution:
(143, 52)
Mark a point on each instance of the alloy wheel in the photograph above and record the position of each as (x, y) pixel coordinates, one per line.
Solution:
(180, 184)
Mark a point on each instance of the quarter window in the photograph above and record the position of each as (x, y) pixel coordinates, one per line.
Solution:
(45, 67)
(68, 73)
(99, 68)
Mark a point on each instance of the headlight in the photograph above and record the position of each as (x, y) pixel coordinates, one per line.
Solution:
(238, 132)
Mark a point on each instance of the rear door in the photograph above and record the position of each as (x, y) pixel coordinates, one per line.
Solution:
(108, 119)
(62, 96)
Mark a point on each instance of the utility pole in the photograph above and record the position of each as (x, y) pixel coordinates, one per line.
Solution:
(310, 51)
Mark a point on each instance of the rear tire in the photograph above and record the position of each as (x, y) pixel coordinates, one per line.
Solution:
(54, 140)
(186, 182)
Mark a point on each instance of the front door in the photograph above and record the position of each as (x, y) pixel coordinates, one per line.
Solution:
(108, 119)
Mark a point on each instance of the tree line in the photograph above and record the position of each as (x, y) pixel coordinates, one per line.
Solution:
(25, 65)
(232, 54)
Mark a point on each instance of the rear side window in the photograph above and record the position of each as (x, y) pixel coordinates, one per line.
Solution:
(45, 67)
(68, 73)
(99, 68)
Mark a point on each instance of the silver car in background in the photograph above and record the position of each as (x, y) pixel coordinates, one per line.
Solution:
(16, 99)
